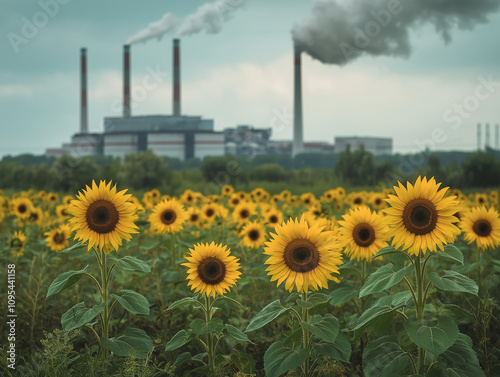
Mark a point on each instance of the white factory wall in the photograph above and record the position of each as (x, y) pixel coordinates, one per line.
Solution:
(167, 144)
(208, 145)
(83, 145)
(120, 145)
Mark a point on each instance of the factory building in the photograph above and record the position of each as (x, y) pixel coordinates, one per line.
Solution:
(245, 140)
(375, 145)
(177, 136)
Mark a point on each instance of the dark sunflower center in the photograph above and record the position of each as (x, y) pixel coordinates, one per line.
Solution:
(194, 217)
(357, 201)
(363, 234)
(34, 216)
(420, 216)
(307, 201)
(253, 235)
(482, 228)
(64, 212)
(21, 208)
(209, 212)
(235, 201)
(211, 270)
(378, 201)
(244, 213)
(481, 200)
(102, 216)
(168, 217)
(301, 255)
(16, 242)
(59, 238)
(273, 219)
(189, 198)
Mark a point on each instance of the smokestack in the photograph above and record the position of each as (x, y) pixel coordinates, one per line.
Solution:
(177, 79)
(487, 136)
(298, 141)
(497, 137)
(479, 136)
(84, 128)
(126, 81)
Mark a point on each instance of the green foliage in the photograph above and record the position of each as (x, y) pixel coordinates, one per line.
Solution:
(384, 278)
(143, 170)
(79, 315)
(133, 342)
(66, 280)
(435, 338)
(384, 357)
(280, 359)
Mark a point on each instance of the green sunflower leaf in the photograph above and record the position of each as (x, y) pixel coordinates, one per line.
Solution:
(436, 338)
(266, 315)
(79, 315)
(133, 342)
(65, 280)
(384, 278)
(454, 282)
(132, 301)
(280, 359)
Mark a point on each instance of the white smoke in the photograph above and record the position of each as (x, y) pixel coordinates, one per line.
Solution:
(166, 25)
(209, 17)
(337, 31)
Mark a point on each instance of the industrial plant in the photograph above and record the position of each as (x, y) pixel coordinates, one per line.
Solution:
(184, 137)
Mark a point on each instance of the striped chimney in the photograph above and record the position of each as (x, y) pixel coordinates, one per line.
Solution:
(479, 136)
(126, 81)
(298, 139)
(177, 79)
(84, 128)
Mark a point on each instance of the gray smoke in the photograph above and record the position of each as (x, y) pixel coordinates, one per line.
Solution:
(209, 17)
(339, 31)
(166, 25)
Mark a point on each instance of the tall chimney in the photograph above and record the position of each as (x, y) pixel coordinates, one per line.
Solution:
(298, 140)
(126, 81)
(177, 79)
(479, 136)
(497, 137)
(487, 136)
(84, 128)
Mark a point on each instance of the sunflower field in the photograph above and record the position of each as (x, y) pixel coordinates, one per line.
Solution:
(398, 282)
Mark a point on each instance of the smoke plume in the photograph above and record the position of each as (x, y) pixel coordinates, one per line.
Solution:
(339, 31)
(166, 25)
(209, 17)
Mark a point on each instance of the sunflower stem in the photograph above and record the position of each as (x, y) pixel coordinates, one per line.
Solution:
(305, 335)
(105, 315)
(479, 275)
(420, 304)
(210, 339)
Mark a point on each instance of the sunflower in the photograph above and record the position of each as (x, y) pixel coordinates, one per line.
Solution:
(234, 200)
(363, 233)
(188, 197)
(2, 215)
(302, 256)
(482, 226)
(193, 216)
(481, 199)
(52, 197)
(168, 216)
(420, 217)
(102, 217)
(377, 201)
(308, 199)
(243, 211)
(62, 211)
(57, 239)
(36, 216)
(227, 191)
(67, 199)
(17, 243)
(273, 217)
(211, 269)
(210, 211)
(253, 235)
(21, 207)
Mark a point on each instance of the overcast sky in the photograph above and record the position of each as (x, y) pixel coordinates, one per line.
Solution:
(241, 75)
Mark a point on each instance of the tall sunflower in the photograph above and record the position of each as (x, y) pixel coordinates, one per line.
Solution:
(17, 243)
(193, 216)
(482, 226)
(57, 238)
(21, 207)
(302, 256)
(273, 217)
(102, 217)
(243, 211)
(168, 216)
(253, 235)
(420, 217)
(363, 233)
(211, 269)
